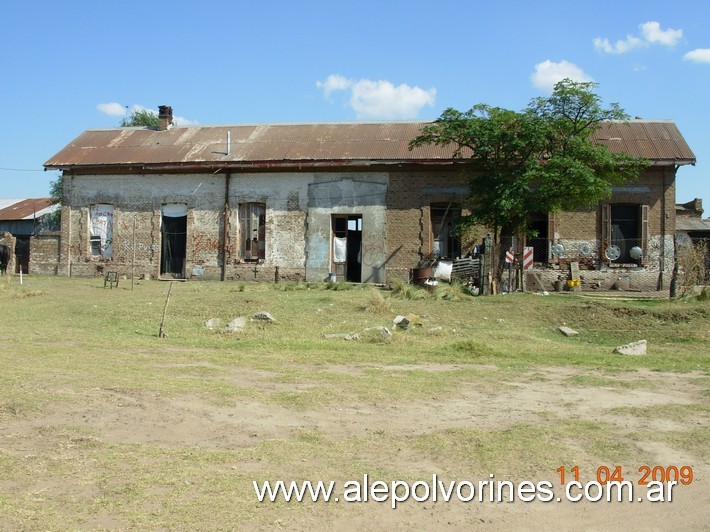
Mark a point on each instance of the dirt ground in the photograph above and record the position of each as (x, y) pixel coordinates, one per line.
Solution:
(122, 417)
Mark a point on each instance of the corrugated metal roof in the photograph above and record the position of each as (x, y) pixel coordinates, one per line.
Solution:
(25, 209)
(318, 143)
(658, 141)
(683, 223)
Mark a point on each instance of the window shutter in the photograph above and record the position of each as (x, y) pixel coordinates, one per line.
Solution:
(551, 235)
(644, 233)
(606, 231)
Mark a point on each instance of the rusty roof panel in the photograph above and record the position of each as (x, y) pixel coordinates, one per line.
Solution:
(26, 209)
(658, 141)
(318, 143)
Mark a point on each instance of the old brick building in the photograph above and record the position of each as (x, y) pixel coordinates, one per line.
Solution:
(31, 242)
(299, 201)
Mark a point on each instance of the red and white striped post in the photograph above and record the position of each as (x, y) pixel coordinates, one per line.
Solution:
(509, 258)
(527, 258)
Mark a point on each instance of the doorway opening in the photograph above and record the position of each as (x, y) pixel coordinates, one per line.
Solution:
(173, 232)
(346, 256)
(22, 254)
(539, 224)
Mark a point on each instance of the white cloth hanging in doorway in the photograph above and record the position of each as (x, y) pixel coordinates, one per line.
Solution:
(340, 250)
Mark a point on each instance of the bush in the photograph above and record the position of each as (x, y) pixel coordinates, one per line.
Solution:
(693, 268)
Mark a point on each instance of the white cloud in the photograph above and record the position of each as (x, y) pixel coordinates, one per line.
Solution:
(182, 121)
(547, 74)
(380, 99)
(653, 33)
(699, 55)
(619, 47)
(334, 82)
(112, 109)
(650, 33)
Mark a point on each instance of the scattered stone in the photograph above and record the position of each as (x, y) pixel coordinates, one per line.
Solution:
(264, 316)
(634, 348)
(401, 322)
(500, 320)
(344, 336)
(212, 323)
(386, 332)
(568, 331)
(414, 319)
(237, 324)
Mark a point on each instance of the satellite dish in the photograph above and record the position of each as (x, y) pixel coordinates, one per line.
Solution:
(585, 250)
(558, 250)
(636, 253)
(612, 252)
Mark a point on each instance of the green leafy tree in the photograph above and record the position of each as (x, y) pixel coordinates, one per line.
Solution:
(52, 222)
(541, 159)
(55, 189)
(140, 118)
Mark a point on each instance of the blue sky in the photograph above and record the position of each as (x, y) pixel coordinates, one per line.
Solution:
(70, 66)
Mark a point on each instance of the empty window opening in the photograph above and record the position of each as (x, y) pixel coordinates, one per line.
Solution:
(252, 222)
(173, 232)
(347, 247)
(444, 217)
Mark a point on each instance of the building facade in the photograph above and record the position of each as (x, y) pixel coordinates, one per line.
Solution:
(301, 202)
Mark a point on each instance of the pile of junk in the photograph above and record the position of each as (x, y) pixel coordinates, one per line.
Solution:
(430, 272)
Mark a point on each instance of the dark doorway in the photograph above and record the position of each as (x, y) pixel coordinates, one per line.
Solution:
(173, 247)
(347, 247)
(22, 254)
(444, 217)
(539, 224)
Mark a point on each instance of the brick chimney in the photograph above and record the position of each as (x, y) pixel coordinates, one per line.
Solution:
(165, 117)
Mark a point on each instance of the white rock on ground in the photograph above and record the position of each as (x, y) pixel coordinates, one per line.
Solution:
(634, 348)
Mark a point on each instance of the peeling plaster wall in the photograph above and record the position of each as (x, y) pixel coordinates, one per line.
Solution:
(357, 194)
(140, 197)
(285, 196)
(394, 206)
(298, 212)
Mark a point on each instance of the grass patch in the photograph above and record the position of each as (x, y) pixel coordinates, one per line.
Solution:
(77, 350)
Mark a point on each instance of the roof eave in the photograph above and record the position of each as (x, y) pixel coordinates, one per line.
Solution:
(239, 165)
(672, 162)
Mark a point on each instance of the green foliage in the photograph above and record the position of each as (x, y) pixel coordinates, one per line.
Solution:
(541, 159)
(53, 221)
(141, 118)
(454, 291)
(56, 189)
(693, 260)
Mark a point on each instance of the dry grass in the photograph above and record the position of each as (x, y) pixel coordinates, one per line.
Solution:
(103, 425)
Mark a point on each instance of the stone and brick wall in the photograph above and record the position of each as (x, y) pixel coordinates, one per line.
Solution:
(409, 197)
(6, 239)
(44, 253)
